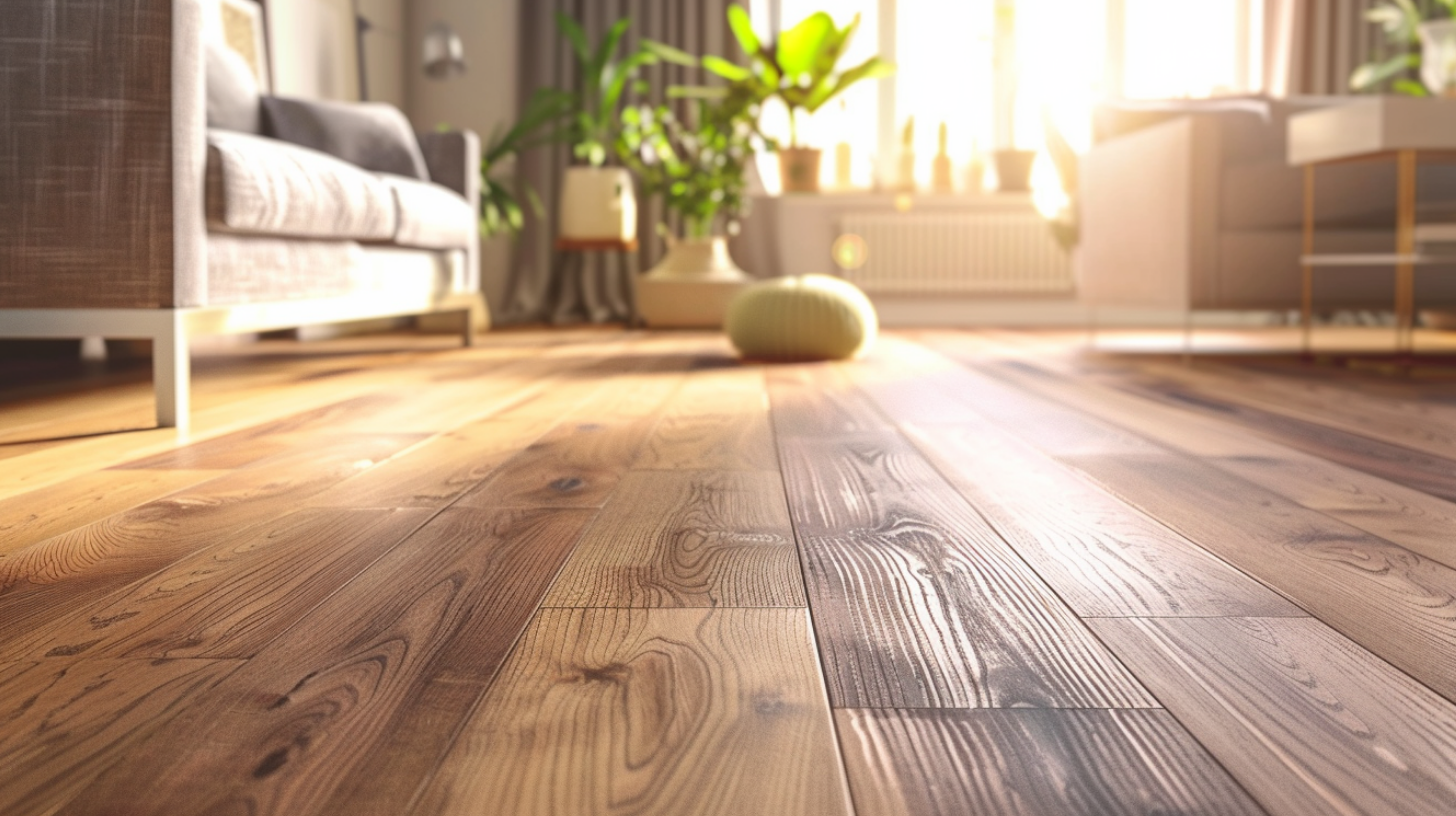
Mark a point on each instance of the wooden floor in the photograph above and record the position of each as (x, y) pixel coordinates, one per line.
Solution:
(597, 572)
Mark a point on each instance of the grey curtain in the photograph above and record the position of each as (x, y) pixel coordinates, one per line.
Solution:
(1312, 46)
(595, 287)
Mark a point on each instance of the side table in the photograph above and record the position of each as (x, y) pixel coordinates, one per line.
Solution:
(1405, 129)
(573, 261)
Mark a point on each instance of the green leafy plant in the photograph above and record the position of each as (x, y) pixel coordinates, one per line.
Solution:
(1400, 20)
(602, 80)
(540, 124)
(801, 68)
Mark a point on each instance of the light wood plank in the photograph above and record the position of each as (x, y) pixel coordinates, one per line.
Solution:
(918, 603)
(1103, 558)
(650, 711)
(686, 538)
(51, 511)
(62, 723)
(229, 599)
(718, 420)
(47, 580)
(348, 711)
(1307, 721)
(818, 400)
(1006, 762)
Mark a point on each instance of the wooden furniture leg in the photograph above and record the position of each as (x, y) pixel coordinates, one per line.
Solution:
(1405, 239)
(1306, 303)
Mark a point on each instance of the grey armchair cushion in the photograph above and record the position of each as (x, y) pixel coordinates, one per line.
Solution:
(373, 135)
(263, 186)
(233, 101)
(431, 216)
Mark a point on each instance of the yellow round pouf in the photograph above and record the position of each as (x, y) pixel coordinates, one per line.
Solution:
(809, 317)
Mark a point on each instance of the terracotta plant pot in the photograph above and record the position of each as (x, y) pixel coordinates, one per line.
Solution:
(1013, 170)
(598, 204)
(799, 169)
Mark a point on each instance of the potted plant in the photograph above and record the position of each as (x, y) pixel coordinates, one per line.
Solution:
(500, 206)
(597, 202)
(801, 69)
(1424, 45)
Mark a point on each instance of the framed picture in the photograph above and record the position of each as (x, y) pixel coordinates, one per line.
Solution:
(243, 31)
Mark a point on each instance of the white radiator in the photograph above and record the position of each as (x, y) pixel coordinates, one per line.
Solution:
(983, 253)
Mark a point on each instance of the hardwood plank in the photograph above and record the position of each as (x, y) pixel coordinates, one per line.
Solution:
(229, 599)
(650, 711)
(347, 711)
(1307, 721)
(818, 400)
(1390, 600)
(1103, 558)
(717, 421)
(1005, 762)
(579, 462)
(50, 511)
(918, 603)
(47, 580)
(62, 723)
(686, 538)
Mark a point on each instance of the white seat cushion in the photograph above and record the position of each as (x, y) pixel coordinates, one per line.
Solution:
(263, 186)
(431, 216)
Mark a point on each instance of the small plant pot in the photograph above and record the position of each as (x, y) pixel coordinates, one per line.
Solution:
(598, 204)
(799, 169)
(1013, 170)
(1438, 56)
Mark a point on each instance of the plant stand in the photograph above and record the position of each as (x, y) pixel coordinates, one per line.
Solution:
(571, 269)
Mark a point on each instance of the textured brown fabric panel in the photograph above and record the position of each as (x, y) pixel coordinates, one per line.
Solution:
(86, 153)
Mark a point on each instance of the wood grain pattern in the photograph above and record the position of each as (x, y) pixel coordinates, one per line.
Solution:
(1031, 763)
(686, 538)
(650, 711)
(718, 420)
(1390, 600)
(50, 511)
(229, 599)
(818, 400)
(62, 723)
(309, 725)
(1308, 722)
(47, 580)
(1101, 556)
(918, 603)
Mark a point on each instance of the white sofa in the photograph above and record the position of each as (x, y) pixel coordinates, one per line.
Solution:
(1191, 205)
(124, 214)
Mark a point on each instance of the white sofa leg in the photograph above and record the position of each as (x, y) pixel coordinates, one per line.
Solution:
(172, 373)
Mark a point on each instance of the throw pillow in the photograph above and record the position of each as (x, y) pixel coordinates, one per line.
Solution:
(371, 135)
(232, 91)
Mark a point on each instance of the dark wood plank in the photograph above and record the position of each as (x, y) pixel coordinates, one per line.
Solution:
(63, 722)
(50, 579)
(348, 711)
(717, 421)
(1307, 721)
(686, 538)
(919, 604)
(650, 711)
(1390, 600)
(229, 599)
(1031, 763)
(1103, 558)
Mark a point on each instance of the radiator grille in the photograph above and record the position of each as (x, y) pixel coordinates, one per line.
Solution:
(987, 253)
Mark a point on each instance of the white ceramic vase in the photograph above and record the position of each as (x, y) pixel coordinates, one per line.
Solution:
(691, 286)
(598, 204)
(1438, 56)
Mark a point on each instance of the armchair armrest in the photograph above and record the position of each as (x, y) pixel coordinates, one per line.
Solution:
(454, 161)
(1149, 217)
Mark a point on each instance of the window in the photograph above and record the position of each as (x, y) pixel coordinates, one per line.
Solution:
(1064, 55)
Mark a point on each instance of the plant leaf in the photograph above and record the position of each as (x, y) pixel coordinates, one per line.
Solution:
(1371, 74)
(799, 48)
(667, 53)
(1409, 87)
(743, 30)
(575, 35)
(726, 69)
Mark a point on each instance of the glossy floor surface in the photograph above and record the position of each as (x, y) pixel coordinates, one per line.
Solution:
(601, 572)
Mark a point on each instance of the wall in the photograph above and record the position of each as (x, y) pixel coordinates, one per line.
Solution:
(481, 100)
(386, 51)
(313, 48)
